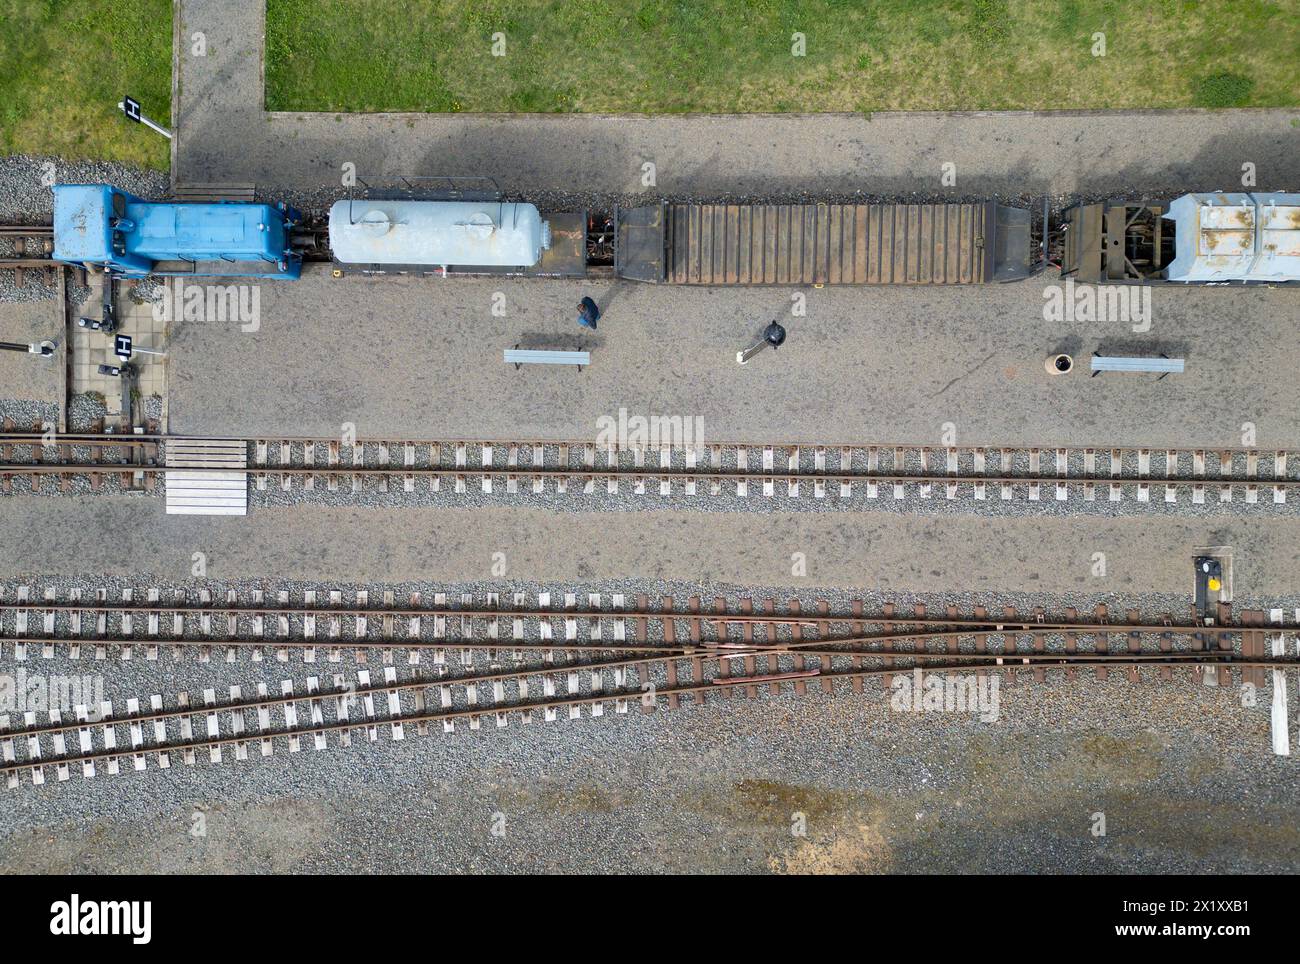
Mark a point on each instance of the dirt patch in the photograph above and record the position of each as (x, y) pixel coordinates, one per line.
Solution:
(861, 849)
(574, 800)
(260, 838)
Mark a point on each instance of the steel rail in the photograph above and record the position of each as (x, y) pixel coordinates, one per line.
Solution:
(357, 693)
(696, 475)
(967, 625)
(505, 676)
(858, 446)
(55, 441)
(29, 263)
(724, 649)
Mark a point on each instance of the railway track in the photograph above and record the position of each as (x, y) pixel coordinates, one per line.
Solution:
(742, 469)
(31, 247)
(95, 457)
(249, 726)
(542, 658)
(319, 622)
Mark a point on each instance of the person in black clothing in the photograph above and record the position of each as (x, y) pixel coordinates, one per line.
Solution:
(588, 313)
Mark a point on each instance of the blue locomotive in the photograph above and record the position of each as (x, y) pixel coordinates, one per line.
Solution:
(99, 226)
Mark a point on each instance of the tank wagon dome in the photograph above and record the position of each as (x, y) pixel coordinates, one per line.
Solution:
(437, 233)
(1236, 237)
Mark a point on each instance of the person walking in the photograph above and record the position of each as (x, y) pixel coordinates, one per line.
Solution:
(588, 313)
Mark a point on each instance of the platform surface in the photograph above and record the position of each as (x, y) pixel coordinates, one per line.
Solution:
(421, 358)
(25, 376)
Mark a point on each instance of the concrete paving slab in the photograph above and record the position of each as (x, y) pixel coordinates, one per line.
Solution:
(225, 136)
(91, 349)
(24, 376)
(422, 358)
(130, 537)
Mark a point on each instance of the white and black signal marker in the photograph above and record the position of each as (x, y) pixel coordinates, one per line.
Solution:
(131, 108)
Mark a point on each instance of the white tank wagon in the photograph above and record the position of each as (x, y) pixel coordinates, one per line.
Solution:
(1236, 237)
(492, 235)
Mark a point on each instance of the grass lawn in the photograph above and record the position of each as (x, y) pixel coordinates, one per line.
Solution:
(670, 56)
(67, 63)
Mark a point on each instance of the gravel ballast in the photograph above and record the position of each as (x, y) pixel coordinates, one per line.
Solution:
(1181, 770)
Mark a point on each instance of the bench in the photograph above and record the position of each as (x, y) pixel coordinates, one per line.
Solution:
(530, 356)
(1116, 363)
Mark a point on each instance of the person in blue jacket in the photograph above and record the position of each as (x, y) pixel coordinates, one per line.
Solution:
(588, 313)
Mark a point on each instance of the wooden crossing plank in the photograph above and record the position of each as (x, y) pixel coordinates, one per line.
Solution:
(220, 484)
